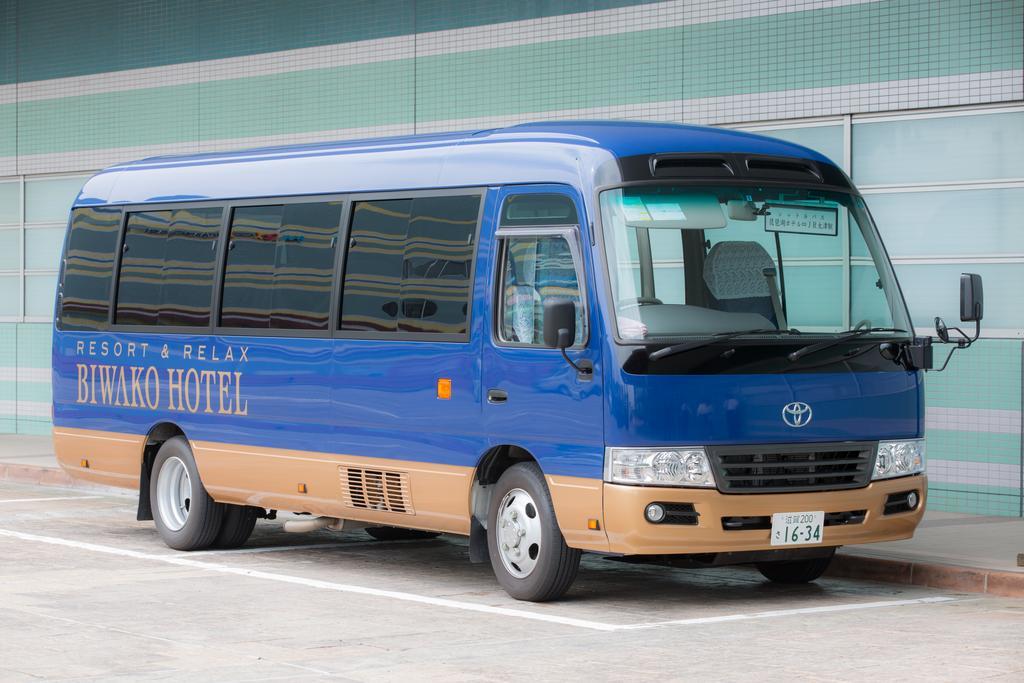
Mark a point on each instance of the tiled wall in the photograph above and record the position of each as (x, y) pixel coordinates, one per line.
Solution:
(25, 378)
(100, 82)
(84, 85)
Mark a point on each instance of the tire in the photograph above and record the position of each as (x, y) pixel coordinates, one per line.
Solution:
(236, 526)
(795, 571)
(184, 514)
(528, 554)
(394, 533)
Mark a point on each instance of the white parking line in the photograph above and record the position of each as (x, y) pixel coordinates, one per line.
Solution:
(270, 549)
(308, 546)
(453, 604)
(46, 500)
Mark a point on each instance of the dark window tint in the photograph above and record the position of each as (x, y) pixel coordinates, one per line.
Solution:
(409, 263)
(538, 209)
(190, 261)
(167, 267)
(280, 265)
(89, 268)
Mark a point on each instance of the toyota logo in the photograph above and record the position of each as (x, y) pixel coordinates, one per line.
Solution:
(797, 414)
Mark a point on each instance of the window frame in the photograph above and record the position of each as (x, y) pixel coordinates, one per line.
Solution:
(222, 262)
(126, 211)
(353, 199)
(115, 287)
(228, 207)
(58, 310)
(571, 234)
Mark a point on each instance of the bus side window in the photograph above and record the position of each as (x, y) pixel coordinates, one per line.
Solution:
(280, 266)
(167, 267)
(409, 265)
(89, 268)
(536, 268)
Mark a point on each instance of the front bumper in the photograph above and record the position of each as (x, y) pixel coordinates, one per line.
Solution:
(629, 533)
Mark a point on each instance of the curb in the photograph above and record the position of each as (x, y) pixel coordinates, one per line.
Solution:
(929, 575)
(902, 572)
(49, 476)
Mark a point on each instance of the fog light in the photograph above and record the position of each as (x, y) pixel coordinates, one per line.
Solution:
(912, 500)
(655, 513)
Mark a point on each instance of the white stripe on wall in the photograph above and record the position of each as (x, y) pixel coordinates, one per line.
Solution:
(805, 102)
(10, 374)
(973, 473)
(489, 36)
(32, 409)
(989, 420)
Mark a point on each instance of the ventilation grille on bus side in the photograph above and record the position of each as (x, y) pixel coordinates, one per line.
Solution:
(375, 490)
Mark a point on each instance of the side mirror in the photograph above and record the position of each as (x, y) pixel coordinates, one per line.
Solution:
(559, 323)
(972, 308)
(972, 298)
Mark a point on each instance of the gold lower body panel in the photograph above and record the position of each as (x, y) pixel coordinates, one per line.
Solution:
(630, 533)
(437, 497)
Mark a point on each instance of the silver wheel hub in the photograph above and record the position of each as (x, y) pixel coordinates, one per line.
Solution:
(518, 533)
(174, 494)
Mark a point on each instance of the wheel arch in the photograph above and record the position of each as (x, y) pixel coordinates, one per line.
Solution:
(155, 438)
(489, 467)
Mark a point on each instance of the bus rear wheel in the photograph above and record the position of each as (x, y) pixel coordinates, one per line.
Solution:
(394, 533)
(184, 514)
(795, 571)
(236, 527)
(527, 550)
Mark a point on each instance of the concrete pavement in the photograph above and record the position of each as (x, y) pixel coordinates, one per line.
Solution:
(88, 593)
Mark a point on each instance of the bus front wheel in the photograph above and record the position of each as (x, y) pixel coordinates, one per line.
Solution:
(185, 516)
(527, 550)
(795, 571)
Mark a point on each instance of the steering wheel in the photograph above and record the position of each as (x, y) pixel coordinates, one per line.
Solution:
(862, 325)
(647, 300)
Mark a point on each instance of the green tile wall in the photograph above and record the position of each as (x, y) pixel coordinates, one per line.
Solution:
(111, 35)
(25, 346)
(860, 43)
(987, 376)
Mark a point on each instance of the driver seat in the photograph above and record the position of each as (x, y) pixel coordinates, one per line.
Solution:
(734, 275)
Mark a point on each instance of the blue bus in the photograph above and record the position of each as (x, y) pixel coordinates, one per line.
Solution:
(658, 342)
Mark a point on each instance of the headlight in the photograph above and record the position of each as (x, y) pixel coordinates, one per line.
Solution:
(899, 458)
(658, 466)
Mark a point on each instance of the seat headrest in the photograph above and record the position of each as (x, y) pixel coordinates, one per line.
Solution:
(735, 270)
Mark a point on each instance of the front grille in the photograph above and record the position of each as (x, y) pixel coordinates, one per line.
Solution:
(785, 468)
(765, 521)
(375, 489)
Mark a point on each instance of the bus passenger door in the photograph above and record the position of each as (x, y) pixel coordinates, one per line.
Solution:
(533, 398)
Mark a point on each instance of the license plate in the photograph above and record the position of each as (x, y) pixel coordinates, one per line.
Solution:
(797, 528)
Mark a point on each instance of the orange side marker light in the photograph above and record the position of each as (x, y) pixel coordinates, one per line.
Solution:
(593, 525)
(84, 464)
(444, 389)
(302, 488)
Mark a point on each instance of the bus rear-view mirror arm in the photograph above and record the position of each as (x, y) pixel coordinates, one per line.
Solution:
(560, 330)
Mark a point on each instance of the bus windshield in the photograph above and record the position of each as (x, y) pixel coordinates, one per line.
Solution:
(692, 261)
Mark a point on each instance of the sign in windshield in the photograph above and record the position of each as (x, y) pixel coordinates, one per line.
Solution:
(801, 220)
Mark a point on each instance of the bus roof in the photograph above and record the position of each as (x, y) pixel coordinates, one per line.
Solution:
(571, 152)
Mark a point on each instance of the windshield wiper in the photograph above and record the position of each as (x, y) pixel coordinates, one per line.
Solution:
(719, 337)
(828, 343)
